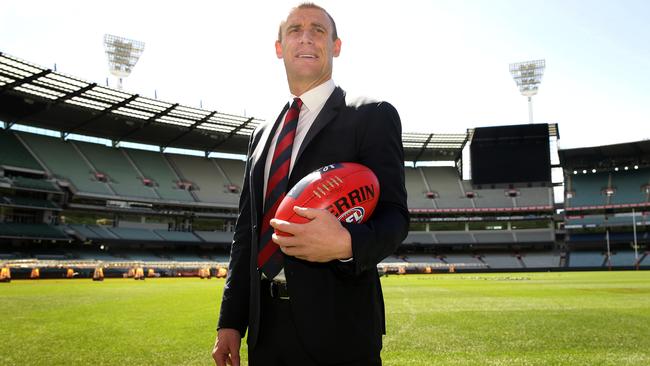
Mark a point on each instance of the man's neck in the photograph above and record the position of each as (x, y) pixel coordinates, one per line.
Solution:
(299, 87)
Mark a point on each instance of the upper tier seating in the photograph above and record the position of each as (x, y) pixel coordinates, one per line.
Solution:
(210, 185)
(627, 187)
(123, 177)
(416, 189)
(15, 230)
(14, 154)
(446, 183)
(63, 160)
(154, 166)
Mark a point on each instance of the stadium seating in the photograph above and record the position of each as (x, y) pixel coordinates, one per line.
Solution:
(210, 185)
(177, 236)
(502, 261)
(122, 176)
(233, 170)
(43, 231)
(63, 160)
(599, 220)
(459, 259)
(445, 181)
(623, 259)
(417, 189)
(492, 198)
(541, 260)
(628, 186)
(14, 154)
(28, 202)
(493, 237)
(586, 259)
(154, 166)
(534, 236)
(135, 234)
(587, 189)
(35, 184)
(215, 236)
(534, 196)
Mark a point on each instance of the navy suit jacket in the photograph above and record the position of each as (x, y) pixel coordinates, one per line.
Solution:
(337, 306)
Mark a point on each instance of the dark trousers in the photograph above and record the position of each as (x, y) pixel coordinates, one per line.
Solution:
(278, 344)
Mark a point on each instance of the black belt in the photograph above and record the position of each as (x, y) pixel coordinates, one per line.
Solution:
(276, 289)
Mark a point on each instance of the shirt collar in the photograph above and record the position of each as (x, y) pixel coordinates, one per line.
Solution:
(316, 97)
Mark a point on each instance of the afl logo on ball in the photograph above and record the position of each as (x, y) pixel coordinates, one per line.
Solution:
(353, 215)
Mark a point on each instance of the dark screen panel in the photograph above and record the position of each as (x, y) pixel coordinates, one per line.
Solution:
(510, 154)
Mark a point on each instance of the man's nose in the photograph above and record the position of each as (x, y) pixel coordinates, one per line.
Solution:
(306, 37)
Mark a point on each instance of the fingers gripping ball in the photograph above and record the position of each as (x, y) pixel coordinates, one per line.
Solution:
(349, 191)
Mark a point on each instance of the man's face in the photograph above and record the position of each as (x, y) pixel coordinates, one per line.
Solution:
(307, 47)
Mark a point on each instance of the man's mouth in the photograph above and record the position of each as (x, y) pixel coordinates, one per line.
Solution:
(306, 56)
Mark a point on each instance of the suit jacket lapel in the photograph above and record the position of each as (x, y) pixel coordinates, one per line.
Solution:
(258, 159)
(326, 115)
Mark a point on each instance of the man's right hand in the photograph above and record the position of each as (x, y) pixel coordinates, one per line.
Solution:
(226, 347)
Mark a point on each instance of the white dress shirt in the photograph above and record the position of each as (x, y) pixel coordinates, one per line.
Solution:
(312, 103)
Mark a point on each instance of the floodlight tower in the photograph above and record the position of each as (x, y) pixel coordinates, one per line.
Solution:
(122, 54)
(528, 76)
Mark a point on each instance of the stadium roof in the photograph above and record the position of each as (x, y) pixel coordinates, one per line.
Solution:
(606, 156)
(32, 95)
(35, 96)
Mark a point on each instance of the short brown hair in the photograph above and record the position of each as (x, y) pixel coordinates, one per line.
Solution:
(335, 35)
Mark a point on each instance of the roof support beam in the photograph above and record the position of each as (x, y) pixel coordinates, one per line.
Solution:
(60, 100)
(26, 80)
(189, 129)
(102, 114)
(423, 149)
(149, 121)
(231, 134)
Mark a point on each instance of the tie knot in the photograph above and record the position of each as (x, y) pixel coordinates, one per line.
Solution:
(297, 103)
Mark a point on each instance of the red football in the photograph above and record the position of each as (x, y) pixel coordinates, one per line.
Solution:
(349, 191)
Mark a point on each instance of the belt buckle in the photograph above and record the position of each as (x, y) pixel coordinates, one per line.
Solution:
(274, 289)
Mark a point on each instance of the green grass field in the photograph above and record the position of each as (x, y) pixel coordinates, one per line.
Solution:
(577, 318)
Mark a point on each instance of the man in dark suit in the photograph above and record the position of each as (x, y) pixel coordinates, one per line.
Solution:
(313, 298)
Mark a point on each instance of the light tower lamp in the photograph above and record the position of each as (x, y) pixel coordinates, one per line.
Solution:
(122, 54)
(528, 76)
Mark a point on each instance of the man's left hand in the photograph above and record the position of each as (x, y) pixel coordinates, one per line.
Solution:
(322, 239)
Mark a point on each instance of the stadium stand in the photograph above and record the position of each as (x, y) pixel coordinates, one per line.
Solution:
(37, 231)
(587, 190)
(417, 189)
(37, 173)
(623, 259)
(492, 198)
(28, 202)
(208, 182)
(215, 236)
(445, 181)
(586, 259)
(24, 183)
(177, 236)
(502, 260)
(541, 260)
(628, 186)
(534, 196)
(65, 163)
(14, 155)
(122, 176)
(233, 170)
(154, 166)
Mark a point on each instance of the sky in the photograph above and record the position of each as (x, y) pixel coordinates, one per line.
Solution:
(443, 64)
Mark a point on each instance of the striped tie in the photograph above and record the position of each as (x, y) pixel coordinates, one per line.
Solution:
(270, 259)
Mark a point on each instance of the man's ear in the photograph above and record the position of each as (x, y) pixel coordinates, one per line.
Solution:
(278, 49)
(337, 47)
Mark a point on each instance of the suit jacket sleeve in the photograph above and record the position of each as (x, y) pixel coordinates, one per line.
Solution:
(235, 300)
(380, 149)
